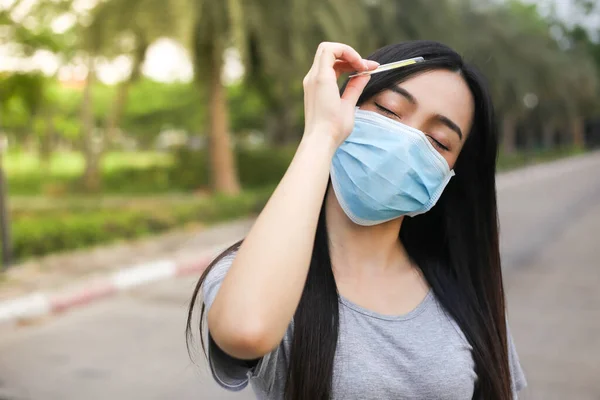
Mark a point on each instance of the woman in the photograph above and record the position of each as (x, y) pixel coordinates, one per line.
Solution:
(351, 283)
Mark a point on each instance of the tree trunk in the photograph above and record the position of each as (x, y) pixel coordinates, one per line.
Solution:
(31, 142)
(530, 138)
(223, 168)
(120, 101)
(284, 117)
(91, 174)
(283, 127)
(5, 231)
(114, 116)
(279, 126)
(47, 140)
(548, 135)
(578, 132)
(509, 134)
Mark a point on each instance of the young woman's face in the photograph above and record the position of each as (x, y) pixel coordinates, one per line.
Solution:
(438, 103)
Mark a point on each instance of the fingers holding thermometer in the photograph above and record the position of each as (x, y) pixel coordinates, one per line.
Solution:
(389, 67)
(326, 111)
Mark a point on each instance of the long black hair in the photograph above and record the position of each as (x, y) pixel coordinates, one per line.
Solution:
(455, 244)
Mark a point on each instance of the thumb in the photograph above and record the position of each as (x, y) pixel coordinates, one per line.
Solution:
(353, 90)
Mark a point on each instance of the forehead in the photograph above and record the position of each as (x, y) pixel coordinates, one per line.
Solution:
(443, 92)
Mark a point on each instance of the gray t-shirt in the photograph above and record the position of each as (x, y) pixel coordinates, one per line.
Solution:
(419, 355)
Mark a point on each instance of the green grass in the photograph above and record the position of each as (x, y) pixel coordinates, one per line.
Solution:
(83, 203)
(120, 171)
(524, 158)
(82, 222)
(139, 173)
(71, 164)
(145, 193)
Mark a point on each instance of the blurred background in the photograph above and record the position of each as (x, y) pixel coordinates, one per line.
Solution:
(124, 119)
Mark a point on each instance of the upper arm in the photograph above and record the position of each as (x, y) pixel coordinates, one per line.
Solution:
(229, 372)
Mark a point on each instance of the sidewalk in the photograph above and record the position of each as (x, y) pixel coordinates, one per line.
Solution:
(554, 309)
(57, 282)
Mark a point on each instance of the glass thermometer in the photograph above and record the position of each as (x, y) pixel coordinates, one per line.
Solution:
(390, 66)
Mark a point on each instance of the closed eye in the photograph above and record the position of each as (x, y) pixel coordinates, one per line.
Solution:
(437, 144)
(386, 111)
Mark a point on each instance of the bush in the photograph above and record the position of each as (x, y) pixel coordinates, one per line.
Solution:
(136, 180)
(256, 167)
(263, 166)
(40, 233)
(146, 175)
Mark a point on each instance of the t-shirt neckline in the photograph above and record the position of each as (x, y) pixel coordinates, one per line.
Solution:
(422, 306)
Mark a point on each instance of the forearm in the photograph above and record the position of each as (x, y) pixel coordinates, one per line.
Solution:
(263, 286)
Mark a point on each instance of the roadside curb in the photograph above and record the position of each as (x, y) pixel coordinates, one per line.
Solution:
(42, 304)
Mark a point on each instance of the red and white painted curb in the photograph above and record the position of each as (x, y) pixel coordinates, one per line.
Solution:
(41, 304)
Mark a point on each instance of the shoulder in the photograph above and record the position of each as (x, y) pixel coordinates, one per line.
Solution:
(215, 276)
(456, 335)
(446, 326)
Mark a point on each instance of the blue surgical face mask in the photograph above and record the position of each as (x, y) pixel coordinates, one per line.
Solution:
(386, 169)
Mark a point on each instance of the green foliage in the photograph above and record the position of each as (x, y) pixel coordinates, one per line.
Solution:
(54, 230)
(153, 173)
(257, 167)
(154, 106)
(514, 46)
(248, 108)
(29, 87)
(122, 173)
(42, 225)
(265, 165)
(512, 161)
(28, 35)
(151, 108)
(15, 115)
(139, 172)
(519, 50)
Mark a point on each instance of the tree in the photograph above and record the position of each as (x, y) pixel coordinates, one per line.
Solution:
(118, 27)
(510, 42)
(515, 49)
(213, 30)
(276, 42)
(130, 27)
(27, 36)
(27, 39)
(280, 44)
(585, 54)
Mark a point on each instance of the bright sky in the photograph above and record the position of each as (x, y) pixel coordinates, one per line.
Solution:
(167, 60)
(567, 11)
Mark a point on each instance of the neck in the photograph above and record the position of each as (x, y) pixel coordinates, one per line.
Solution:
(358, 250)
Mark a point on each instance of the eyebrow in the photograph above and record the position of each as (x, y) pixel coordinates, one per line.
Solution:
(404, 93)
(450, 124)
(441, 118)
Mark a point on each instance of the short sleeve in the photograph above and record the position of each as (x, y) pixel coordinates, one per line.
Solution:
(229, 372)
(518, 381)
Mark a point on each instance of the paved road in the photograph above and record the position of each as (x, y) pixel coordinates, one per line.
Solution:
(132, 346)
